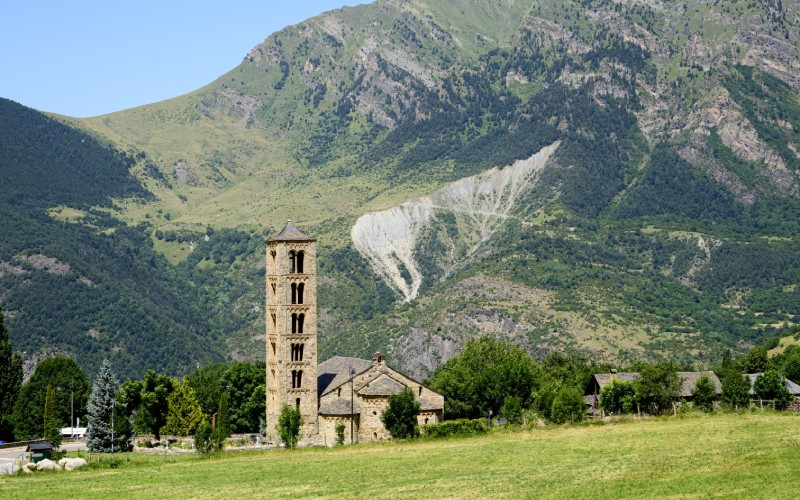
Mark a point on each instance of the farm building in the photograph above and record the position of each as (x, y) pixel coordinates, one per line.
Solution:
(600, 380)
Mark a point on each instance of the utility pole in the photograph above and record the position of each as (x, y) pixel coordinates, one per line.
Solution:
(352, 403)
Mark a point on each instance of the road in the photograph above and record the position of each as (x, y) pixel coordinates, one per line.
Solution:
(9, 455)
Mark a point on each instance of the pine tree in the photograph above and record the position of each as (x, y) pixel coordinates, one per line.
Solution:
(10, 381)
(52, 429)
(184, 414)
(100, 407)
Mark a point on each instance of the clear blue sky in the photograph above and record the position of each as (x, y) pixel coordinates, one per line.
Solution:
(85, 58)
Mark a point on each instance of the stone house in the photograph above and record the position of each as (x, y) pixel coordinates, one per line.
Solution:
(366, 398)
(599, 380)
(323, 393)
(794, 390)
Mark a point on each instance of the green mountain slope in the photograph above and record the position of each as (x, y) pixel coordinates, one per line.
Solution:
(75, 280)
(663, 224)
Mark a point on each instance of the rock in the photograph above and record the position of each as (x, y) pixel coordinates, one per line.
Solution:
(74, 463)
(63, 462)
(29, 467)
(47, 464)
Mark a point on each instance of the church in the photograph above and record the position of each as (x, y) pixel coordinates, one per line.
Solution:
(351, 391)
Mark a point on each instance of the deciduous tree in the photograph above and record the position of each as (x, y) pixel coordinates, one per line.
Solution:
(400, 415)
(704, 393)
(289, 424)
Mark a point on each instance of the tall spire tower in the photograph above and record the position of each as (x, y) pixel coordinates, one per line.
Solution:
(292, 329)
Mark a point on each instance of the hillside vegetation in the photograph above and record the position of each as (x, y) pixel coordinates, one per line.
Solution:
(664, 224)
(729, 455)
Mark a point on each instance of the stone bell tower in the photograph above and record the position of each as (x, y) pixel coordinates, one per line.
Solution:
(292, 329)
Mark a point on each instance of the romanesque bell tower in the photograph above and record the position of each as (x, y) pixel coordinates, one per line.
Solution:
(292, 329)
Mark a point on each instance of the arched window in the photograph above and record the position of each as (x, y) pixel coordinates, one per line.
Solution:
(294, 293)
(299, 260)
(300, 288)
(420, 390)
(297, 403)
(274, 320)
(273, 290)
(301, 318)
(291, 262)
(294, 379)
(300, 355)
(295, 323)
(273, 348)
(299, 378)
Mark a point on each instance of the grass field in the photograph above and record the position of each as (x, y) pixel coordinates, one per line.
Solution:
(752, 455)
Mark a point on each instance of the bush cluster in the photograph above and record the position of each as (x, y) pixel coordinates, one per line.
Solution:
(459, 427)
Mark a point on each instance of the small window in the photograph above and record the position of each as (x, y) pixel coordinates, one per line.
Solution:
(426, 421)
(339, 393)
(274, 290)
(297, 403)
(301, 318)
(291, 262)
(294, 294)
(273, 348)
(299, 259)
(300, 288)
(420, 391)
(294, 322)
(374, 413)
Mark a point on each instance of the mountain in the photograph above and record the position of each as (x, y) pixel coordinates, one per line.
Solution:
(613, 178)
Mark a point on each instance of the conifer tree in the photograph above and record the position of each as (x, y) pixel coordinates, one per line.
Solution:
(99, 409)
(223, 417)
(52, 429)
(184, 414)
(10, 381)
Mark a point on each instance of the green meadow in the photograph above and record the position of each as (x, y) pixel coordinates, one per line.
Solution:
(750, 455)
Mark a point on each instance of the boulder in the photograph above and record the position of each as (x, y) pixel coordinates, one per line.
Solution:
(47, 464)
(74, 463)
(28, 467)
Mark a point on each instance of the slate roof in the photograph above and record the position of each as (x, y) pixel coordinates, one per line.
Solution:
(688, 379)
(40, 447)
(382, 386)
(339, 406)
(336, 371)
(793, 388)
(290, 233)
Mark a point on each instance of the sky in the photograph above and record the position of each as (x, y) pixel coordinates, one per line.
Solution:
(86, 58)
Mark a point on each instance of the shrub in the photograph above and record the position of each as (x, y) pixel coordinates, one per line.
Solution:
(400, 417)
(618, 396)
(460, 427)
(512, 409)
(340, 434)
(568, 406)
(207, 440)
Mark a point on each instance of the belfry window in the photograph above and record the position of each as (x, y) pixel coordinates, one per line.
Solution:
(299, 257)
(291, 262)
(300, 320)
(273, 290)
(297, 352)
(294, 293)
(294, 323)
(297, 379)
(300, 287)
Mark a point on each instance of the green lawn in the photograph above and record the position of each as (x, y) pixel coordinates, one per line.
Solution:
(753, 455)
